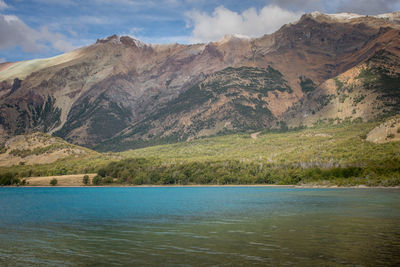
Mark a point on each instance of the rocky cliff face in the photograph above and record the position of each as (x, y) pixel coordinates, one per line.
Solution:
(121, 93)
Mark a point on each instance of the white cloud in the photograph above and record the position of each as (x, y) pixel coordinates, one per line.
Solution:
(250, 22)
(56, 39)
(17, 33)
(2, 60)
(3, 5)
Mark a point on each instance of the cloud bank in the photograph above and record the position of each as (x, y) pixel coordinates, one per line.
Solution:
(251, 22)
(368, 7)
(15, 32)
(80, 23)
(363, 7)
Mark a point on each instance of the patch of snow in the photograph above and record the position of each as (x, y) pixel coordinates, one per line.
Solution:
(390, 16)
(138, 43)
(349, 16)
(338, 16)
(345, 16)
(316, 14)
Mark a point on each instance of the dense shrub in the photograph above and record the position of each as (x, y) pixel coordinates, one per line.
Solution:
(85, 180)
(3, 149)
(53, 182)
(390, 136)
(9, 178)
(101, 172)
(306, 84)
(97, 180)
(143, 171)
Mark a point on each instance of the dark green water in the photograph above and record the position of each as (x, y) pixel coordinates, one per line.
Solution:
(199, 226)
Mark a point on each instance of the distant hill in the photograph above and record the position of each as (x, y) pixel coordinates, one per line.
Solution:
(36, 148)
(120, 93)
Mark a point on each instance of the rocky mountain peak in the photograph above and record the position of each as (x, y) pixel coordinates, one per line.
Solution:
(232, 37)
(126, 40)
(112, 38)
(394, 17)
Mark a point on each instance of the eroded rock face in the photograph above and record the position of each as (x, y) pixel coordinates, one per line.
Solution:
(121, 89)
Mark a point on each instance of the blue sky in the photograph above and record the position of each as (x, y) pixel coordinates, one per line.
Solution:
(43, 28)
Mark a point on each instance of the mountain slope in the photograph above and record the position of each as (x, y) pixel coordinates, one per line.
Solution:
(121, 90)
(233, 99)
(366, 92)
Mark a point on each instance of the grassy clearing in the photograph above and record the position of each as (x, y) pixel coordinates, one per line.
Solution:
(62, 180)
(67, 166)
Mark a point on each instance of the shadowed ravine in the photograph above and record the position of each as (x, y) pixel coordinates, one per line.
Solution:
(206, 226)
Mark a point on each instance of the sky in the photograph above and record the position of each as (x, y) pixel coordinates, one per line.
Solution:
(45, 28)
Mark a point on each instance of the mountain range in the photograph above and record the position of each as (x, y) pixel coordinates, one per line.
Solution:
(121, 93)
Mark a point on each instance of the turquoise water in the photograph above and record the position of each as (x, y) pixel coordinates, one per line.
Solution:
(199, 226)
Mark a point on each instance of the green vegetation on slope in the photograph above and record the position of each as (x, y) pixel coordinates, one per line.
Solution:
(335, 154)
(147, 171)
(39, 114)
(320, 146)
(69, 165)
(381, 75)
(306, 84)
(105, 117)
(248, 78)
(324, 154)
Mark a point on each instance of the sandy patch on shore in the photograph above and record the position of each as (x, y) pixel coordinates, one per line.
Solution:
(62, 180)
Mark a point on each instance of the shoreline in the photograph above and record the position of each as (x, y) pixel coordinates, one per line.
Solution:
(211, 185)
(75, 181)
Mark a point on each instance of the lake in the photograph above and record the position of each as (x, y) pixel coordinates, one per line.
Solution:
(199, 226)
